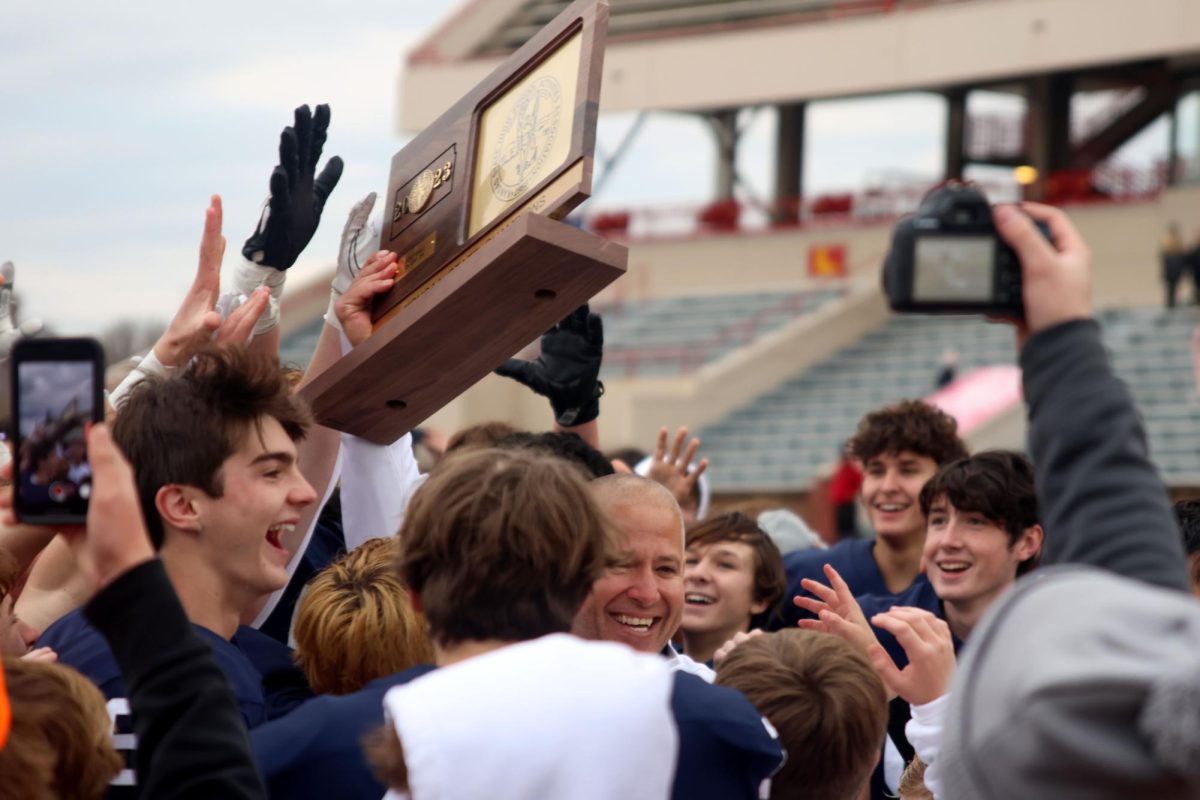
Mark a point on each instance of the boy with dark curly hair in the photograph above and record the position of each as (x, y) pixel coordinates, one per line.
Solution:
(900, 448)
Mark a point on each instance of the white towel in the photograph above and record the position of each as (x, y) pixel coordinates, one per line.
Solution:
(555, 717)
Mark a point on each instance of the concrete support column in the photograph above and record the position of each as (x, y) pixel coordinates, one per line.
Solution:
(789, 162)
(956, 133)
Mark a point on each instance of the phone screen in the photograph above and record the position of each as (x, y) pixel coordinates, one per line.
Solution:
(55, 401)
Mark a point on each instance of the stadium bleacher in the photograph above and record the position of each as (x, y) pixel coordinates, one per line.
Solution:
(783, 439)
(673, 335)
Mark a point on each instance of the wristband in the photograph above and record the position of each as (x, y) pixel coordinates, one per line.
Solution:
(147, 366)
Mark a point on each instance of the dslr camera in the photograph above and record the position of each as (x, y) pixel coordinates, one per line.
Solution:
(948, 259)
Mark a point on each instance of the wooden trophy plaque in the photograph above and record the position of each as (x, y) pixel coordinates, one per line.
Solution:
(473, 208)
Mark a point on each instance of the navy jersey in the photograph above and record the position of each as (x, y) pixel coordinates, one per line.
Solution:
(81, 646)
(726, 748)
(315, 752)
(261, 672)
(919, 595)
(854, 560)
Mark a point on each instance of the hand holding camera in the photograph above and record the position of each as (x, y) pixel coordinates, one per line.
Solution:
(958, 255)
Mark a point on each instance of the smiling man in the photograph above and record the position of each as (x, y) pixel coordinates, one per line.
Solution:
(639, 599)
(726, 748)
(214, 455)
(900, 447)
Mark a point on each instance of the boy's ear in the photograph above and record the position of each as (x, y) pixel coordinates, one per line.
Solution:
(1029, 543)
(178, 508)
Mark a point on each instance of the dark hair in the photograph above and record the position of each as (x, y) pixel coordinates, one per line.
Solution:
(770, 582)
(502, 544)
(567, 446)
(997, 484)
(911, 425)
(485, 434)
(825, 700)
(182, 428)
(1187, 512)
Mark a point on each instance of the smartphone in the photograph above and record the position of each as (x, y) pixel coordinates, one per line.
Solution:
(57, 389)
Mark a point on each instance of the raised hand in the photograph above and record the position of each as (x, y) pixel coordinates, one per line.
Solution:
(568, 370)
(292, 213)
(927, 641)
(197, 321)
(353, 308)
(837, 611)
(360, 240)
(1056, 276)
(724, 650)
(114, 539)
(674, 469)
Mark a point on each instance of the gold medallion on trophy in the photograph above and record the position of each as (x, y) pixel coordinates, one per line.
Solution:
(421, 191)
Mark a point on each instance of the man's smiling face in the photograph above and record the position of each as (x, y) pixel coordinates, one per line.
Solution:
(639, 599)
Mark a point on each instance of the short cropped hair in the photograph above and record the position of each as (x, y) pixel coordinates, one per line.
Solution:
(911, 425)
(1187, 513)
(770, 582)
(825, 700)
(356, 623)
(997, 484)
(485, 434)
(181, 429)
(59, 747)
(567, 446)
(502, 544)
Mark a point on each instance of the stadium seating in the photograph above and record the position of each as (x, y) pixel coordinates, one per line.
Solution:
(783, 439)
(668, 336)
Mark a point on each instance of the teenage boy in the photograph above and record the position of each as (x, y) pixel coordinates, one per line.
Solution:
(900, 447)
(733, 579)
(214, 453)
(983, 532)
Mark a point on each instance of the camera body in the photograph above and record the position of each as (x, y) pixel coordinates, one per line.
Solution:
(948, 259)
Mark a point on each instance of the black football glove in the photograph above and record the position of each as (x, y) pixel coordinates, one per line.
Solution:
(293, 211)
(567, 372)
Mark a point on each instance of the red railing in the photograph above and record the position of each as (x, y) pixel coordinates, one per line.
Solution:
(1107, 183)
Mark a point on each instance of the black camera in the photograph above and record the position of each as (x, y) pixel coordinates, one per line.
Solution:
(948, 259)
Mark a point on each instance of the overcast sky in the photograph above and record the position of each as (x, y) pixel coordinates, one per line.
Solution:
(118, 120)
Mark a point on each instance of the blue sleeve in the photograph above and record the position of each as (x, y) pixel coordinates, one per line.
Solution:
(726, 748)
(284, 685)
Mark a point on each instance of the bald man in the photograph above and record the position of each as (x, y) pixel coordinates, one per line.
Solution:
(639, 599)
(725, 749)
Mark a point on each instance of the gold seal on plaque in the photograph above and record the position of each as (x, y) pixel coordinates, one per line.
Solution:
(526, 138)
(421, 191)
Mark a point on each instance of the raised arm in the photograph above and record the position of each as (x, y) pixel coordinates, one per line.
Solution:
(567, 373)
(1103, 502)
